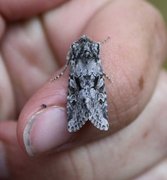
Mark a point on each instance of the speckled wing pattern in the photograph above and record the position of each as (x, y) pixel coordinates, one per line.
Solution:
(86, 99)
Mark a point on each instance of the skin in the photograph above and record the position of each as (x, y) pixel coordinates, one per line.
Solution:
(34, 46)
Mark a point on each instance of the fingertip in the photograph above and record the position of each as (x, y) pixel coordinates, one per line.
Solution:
(42, 124)
(45, 130)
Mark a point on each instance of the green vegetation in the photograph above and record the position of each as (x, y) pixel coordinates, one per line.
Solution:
(162, 6)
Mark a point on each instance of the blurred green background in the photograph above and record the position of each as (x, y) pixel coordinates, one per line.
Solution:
(162, 6)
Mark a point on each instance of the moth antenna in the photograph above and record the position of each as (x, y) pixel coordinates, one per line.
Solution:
(105, 40)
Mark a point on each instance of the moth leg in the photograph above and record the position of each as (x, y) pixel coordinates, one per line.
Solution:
(60, 74)
(105, 40)
(107, 77)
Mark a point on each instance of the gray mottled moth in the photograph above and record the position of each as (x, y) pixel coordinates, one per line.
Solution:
(86, 99)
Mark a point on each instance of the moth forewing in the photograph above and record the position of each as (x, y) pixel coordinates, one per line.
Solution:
(86, 99)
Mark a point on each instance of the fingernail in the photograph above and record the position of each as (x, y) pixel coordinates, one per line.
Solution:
(45, 130)
(4, 174)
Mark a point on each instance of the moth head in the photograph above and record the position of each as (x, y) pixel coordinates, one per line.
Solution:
(85, 48)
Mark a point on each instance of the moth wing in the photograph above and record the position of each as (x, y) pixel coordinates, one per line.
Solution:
(100, 123)
(74, 125)
(99, 118)
(75, 112)
(99, 111)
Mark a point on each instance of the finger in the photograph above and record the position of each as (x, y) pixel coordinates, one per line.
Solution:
(2, 27)
(26, 44)
(139, 146)
(157, 172)
(12, 158)
(7, 101)
(4, 171)
(77, 14)
(126, 59)
(6, 97)
(16, 10)
(128, 153)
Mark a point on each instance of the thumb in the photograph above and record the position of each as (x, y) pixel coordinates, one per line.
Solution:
(46, 111)
(42, 128)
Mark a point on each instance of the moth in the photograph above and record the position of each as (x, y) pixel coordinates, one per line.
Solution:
(86, 97)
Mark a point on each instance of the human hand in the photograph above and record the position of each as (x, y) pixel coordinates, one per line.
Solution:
(132, 58)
